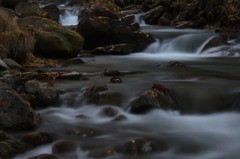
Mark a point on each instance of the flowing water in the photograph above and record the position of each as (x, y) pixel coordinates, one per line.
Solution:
(208, 81)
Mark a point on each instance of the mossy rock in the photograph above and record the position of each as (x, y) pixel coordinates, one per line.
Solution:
(53, 40)
(17, 43)
(75, 39)
(37, 22)
(52, 45)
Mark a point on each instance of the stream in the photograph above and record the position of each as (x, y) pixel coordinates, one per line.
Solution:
(209, 79)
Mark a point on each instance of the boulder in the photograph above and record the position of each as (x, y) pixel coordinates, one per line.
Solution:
(23, 9)
(103, 31)
(153, 15)
(53, 12)
(51, 45)
(97, 11)
(117, 49)
(158, 97)
(37, 139)
(41, 94)
(10, 146)
(216, 41)
(15, 112)
(53, 40)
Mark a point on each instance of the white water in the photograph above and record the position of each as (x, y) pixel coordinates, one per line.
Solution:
(201, 85)
(69, 16)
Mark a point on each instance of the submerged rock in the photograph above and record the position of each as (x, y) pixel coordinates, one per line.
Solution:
(157, 97)
(65, 146)
(15, 112)
(37, 139)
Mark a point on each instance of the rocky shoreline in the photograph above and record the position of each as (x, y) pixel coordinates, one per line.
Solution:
(31, 38)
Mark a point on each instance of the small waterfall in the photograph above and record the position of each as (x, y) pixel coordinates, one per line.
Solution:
(69, 16)
(138, 19)
(186, 43)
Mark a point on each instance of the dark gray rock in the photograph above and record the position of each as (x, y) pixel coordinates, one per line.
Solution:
(15, 112)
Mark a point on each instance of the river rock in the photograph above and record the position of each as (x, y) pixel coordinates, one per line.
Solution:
(103, 31)
(53, 40)
(37, 139)
(10, 146)
(3, 66)
(65, 146)
(153, 15)
(15, 112)
(53, 12)
(12, 64)
(44, 156)
(70, 76)
(41, 94)
(97, 11)
(118, 49)
(51, 45)
(111, 72)
(23, 9)
(157, 97)
(216, 41)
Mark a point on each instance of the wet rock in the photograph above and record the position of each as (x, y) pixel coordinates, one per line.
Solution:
(3, 66)
(3, 51)
(97, 11)
(109, 112)
(15, 112)
(139, 147)
(109, 97)
(45, 94)
(172, 64)
(70, 76)
(118, 49)
(65, 146)
(165, 19)
(216, 41)
(111, 72)
(27, 9)
(84, 132)
(74, 61)
(119, 118)
(92, 93)
(153, 15)
(12, 64)
(116, 79)
(44, 156)
(157, 97)
(102, 31)
(37, 139)
(53, 12)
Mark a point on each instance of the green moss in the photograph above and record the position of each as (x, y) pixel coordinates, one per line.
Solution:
(75, 39)
(52, 45)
